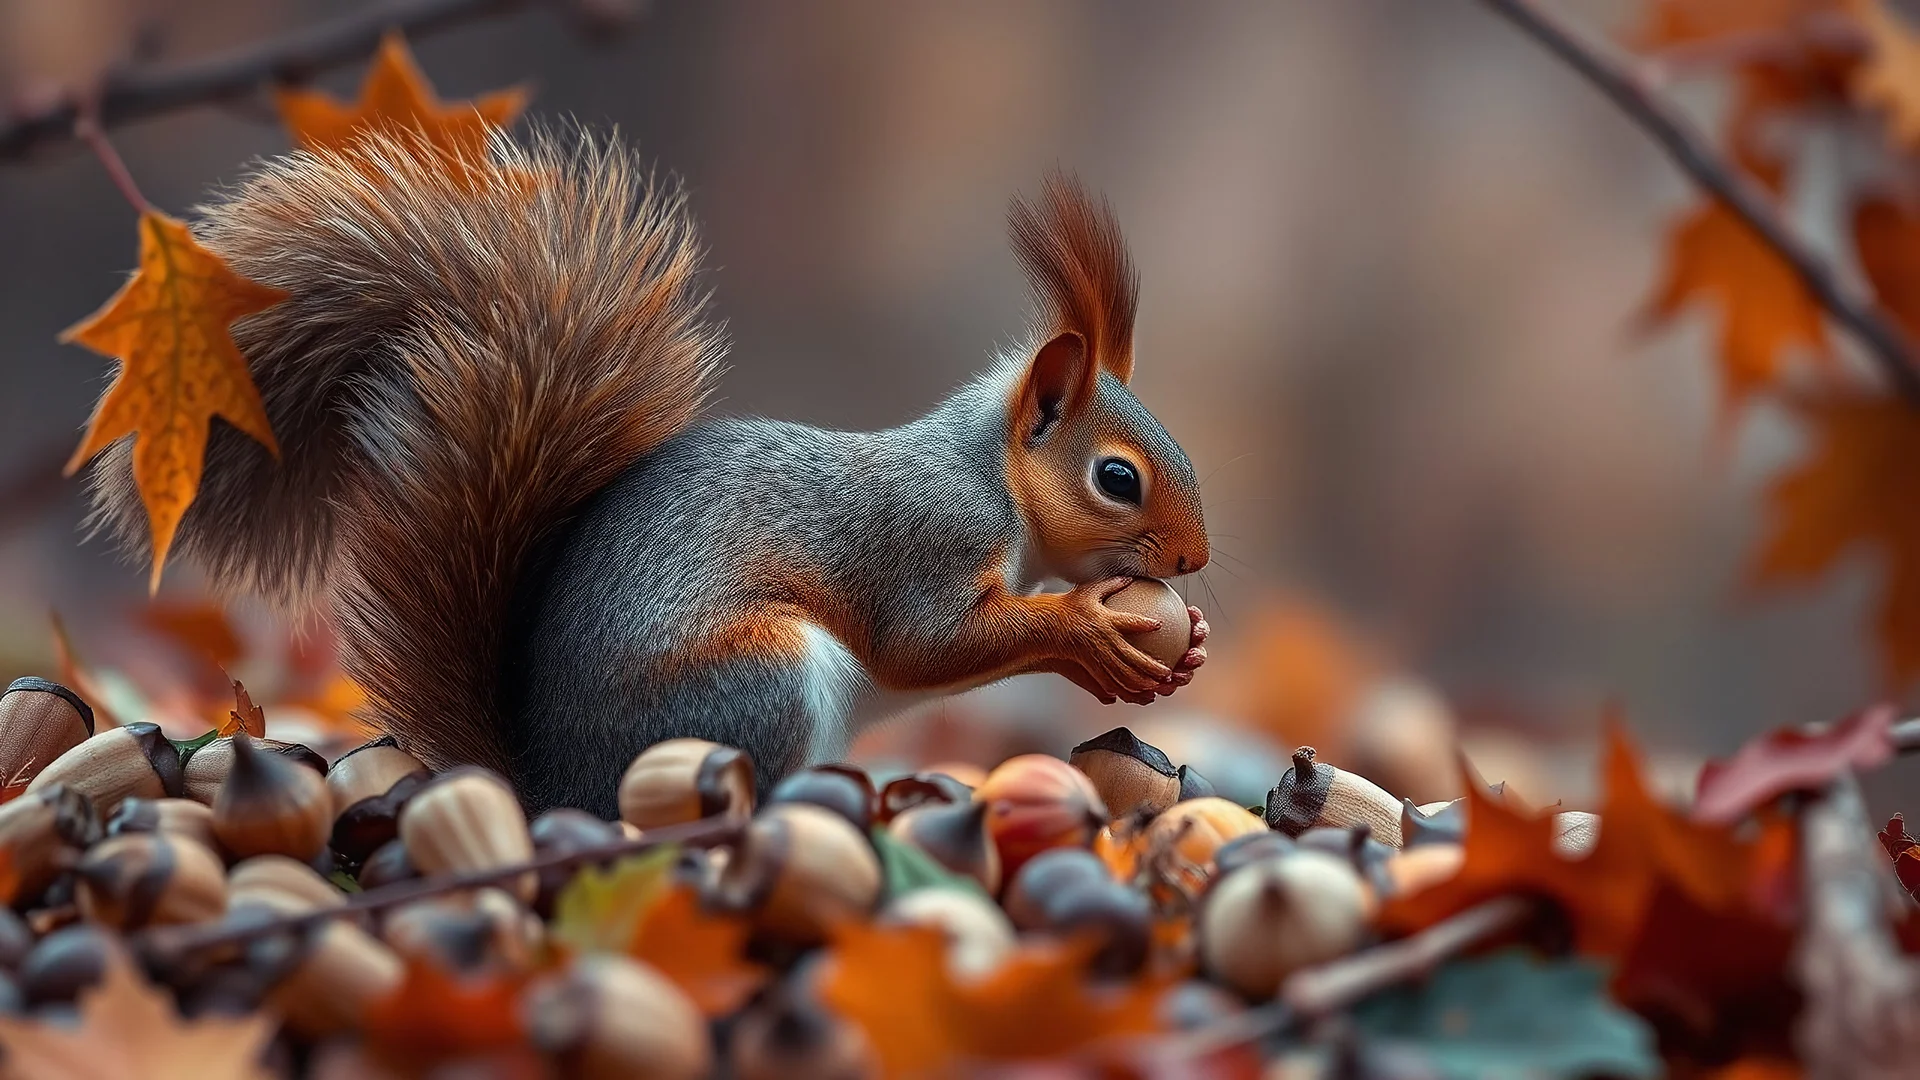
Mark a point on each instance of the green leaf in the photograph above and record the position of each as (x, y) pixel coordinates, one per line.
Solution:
(186, 747)
(909, 869)
(600, 909)
(344, 882)
(1511, 1015)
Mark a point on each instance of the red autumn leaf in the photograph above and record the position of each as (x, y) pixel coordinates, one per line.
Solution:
(435, 1015)
(396, 94)
(703, 952)
(1789, 759)
(1906, 867)
(245, 715)
(1854, 489)
(894, 982)
(1894, 837)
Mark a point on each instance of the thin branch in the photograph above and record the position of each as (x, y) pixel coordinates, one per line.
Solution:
(173, 942)
(1696, 157)
(135, 95)
(87, 130)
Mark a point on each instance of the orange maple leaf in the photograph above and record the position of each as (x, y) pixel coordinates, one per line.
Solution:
(397, 94)
(1855, 487)
(244, 716)
(1680, 22)
(1643, 845)
(703, 953)
(1765, 311)
(203, 629)
(1890, 76)
(178, 369)
(893, 981)
(435, 1015)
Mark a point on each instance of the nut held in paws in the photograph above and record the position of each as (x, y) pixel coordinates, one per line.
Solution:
(1156, 600)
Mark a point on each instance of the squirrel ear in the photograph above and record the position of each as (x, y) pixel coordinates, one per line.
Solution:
(1058, 383)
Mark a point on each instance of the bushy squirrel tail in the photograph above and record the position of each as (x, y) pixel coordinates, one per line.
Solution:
(468, 352)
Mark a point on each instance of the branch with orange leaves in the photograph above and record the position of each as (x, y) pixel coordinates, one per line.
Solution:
(1695, 156)
(137, 95)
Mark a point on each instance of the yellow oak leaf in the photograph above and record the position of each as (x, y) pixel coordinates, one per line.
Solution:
(179, 368)
(128, 1028)
(1890, 77)
(397, 94)
(1854, 489)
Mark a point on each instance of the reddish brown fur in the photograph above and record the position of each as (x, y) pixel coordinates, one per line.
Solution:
(1075, 255)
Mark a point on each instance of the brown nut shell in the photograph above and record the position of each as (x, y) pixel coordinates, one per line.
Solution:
(1039, 802)
(955, 836)
(1265, 921)
(176, 817)
(205, 769)
(116, 764)
(270, 805)
(283, 884)
(683, 780)
(611, 1018)
(369, 785)
(800, 870)
(1131, 776)
(1196, 829)
(150, 879)
(1314, 794)
(1156, 600)
(41, 832)
(1045, 875)
(39, 721)
(389, 863)
(344, 973)
(468, 819)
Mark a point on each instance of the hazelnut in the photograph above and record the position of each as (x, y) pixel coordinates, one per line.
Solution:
(682, 780)
(143, 879)
(464, 820)
(205, 769)
(1270, 919)
(1039, 802)
(955, 836)
(1313, 793)
(39, 721)
(1194, 830)
(369, 784)
(843, 789)
(611, 1018)
(41, 831)
(800, 869)
(117, 764)
(1131, 776)
(269, 805)
(177, 817)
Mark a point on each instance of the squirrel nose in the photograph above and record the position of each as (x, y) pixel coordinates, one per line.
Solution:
(1190, 563)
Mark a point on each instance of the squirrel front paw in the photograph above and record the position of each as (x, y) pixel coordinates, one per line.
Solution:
(1099, 656)
(1196, 653)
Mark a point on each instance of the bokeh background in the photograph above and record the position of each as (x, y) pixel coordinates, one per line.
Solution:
(1392, 254)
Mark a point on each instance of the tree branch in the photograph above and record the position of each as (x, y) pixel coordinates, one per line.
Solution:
(136, 95)
(1696, 157)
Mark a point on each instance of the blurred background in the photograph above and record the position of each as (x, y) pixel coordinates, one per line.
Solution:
(1392, 258)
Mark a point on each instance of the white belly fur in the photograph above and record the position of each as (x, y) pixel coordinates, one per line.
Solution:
(841, 698)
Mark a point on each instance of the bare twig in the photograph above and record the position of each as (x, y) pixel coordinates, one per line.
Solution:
(1695, 156)
(134, 95)
(87, 130)
(172, 942)
(1862, 1017)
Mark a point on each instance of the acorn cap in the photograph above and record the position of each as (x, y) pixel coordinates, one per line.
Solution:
(271, 805)
(1132, 776)
(117, 764)
(204, 769)
(903, 793)
(1293, 806)
(955, 836)
(1044, 875)
(1193, 785)
(844, 789)
(39, 721)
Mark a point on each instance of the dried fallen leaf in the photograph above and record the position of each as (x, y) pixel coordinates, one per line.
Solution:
(397, 94)
(1853, 488)
(202, 629)
(600, 909)
(1679, 22)
(178, 369)
(128, 1028)
(244, 716)
(1890, 77)
(1789, 759)
(435, 1015)
(703, 952)
(894, 982)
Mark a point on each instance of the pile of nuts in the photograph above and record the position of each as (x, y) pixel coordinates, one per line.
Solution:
(123, 834)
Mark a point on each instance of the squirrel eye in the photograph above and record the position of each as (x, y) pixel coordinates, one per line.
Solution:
(1118, 479)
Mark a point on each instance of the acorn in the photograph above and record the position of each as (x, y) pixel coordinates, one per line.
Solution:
(468, 819)
(284, 884)
(800, 869)
(1249, 848)
(1313, 793)
(683, 780)
(1433, 823)
(979, 937)
(176, 817)
(1131, 776)
(1039, 802)
(66, 962)
(389, 863)
(41, 833)
(1045, 875)
(611, 1018)
(1156, 600)
(784, 1036)
(269, 805)
(340, 974)
(1118, 917)
(1356, 845)
(1277, 916)
(1193, 785)
(143, 879)
(955, 836)
(1403, 736)
(1422, 866)
(465, 932)
(1575, 832)
(369, 784)
(118, 763)
(903, 793)
(205, 769)
(563, 831)
(39, 721)
(843, 789)
(1195, 830)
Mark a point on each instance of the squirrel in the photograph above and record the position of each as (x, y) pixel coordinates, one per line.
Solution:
(488, 384)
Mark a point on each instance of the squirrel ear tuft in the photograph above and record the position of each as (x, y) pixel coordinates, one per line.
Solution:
(1077, 261)
(1058, 384)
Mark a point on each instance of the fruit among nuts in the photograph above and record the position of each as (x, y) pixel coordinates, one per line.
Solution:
(1037, 803)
